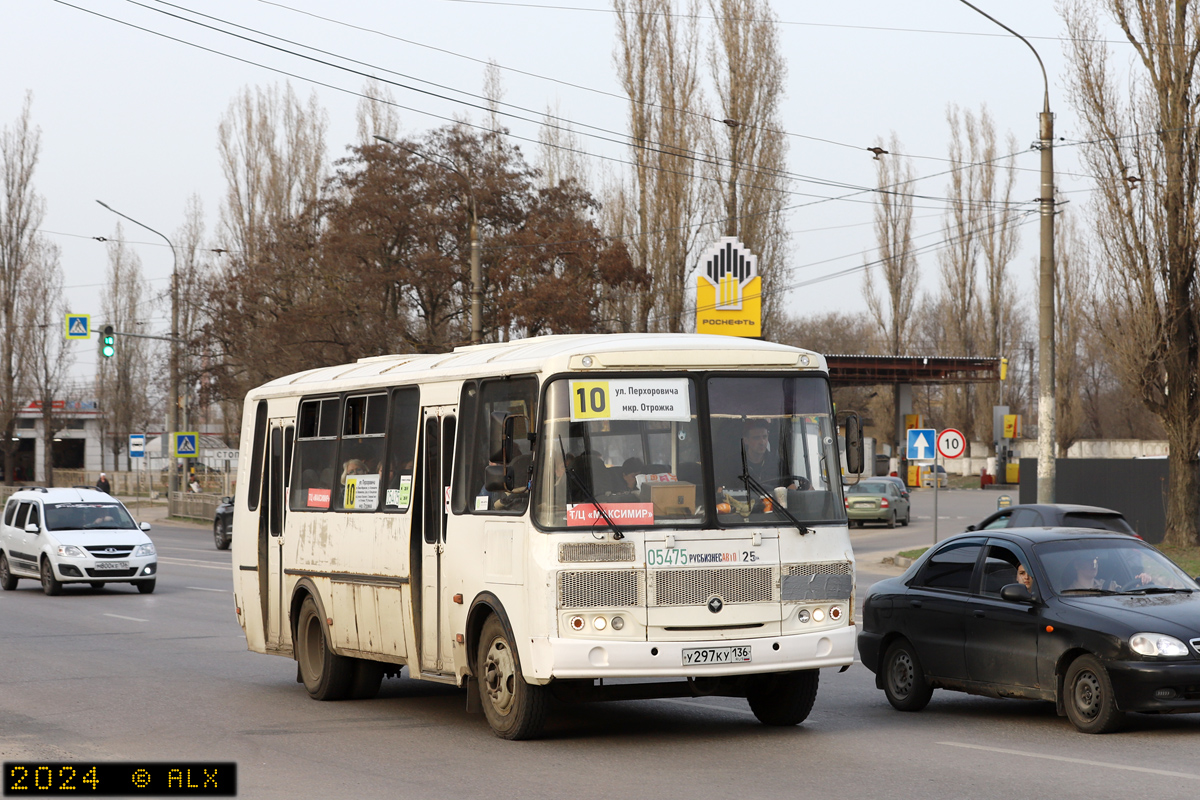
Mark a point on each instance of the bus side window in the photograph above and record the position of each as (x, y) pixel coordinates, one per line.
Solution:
(402, 446)
(364, 422)
(496, 399)
(315, 457)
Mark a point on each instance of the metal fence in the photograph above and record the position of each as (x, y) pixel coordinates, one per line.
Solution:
(192, 505)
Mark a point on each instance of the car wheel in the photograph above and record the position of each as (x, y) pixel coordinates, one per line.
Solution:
(903, 679)
(907, 517)
(515, 709)
(220, 535)
(1090, 703)
(145, 587)
(50, 584)
(783, 698)
(891, 520)
(8, 581)
(325, 674)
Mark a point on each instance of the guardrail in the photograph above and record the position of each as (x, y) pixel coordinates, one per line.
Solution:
(191, 505)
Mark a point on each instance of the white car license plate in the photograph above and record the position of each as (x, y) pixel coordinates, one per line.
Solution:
(716, 655)
(111, 565)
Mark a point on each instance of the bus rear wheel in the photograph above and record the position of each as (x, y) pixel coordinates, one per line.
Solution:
(515, 709)
(784, 698)
(326, 675)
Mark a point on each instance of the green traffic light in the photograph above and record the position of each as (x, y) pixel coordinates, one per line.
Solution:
(108, 342)
(108, 350)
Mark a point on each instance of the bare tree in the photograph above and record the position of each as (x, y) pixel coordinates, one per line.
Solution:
(21, 212)
(1072, 318)
(376, 113)
(122, 378)
(1142, 144)
(893, 310)
(47, 360)
(749, 74)
(560, 153)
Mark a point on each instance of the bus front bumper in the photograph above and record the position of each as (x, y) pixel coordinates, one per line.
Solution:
(555, 657)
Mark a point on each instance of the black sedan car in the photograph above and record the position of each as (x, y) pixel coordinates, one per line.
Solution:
(1055, 515)
(223, 524)
(1099, 623)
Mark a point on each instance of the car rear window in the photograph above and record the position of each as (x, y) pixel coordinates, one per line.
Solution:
(1104, 522)
(874, 487)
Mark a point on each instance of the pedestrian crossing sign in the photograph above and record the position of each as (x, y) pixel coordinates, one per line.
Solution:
(79, 326)
(185, 445)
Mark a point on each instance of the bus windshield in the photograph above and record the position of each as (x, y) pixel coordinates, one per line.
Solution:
(632, 449)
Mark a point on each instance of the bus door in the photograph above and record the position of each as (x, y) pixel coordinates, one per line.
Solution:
(271, 518)
(437, 443)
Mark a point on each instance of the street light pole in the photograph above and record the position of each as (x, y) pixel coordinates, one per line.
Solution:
(476, 270)
(1046, 406)
(173, 368)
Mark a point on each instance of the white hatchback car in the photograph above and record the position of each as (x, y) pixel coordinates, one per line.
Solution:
(62, 536)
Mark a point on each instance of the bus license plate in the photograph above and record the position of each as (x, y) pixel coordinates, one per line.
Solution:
(101, 565)
(716, 655)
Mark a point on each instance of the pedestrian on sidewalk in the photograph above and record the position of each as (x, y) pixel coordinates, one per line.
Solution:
(103, 484)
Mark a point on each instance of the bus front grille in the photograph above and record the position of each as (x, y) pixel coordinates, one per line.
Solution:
(569, 552)
(832, 580)
(611, 588)
(686, 587)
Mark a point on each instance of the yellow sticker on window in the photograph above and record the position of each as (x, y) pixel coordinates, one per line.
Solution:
(590, 400)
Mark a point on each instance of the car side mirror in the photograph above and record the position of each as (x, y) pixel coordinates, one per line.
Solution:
(227, 500)
(145, 526)
(970, 527)
(1016, 593)
(32, 528)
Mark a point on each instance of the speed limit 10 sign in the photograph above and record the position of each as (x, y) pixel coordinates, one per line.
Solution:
(951, 443)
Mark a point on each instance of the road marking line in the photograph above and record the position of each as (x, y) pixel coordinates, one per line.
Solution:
(188, 562)
(1083, 761)
(206, 589)
(694, 703)
(133, 619)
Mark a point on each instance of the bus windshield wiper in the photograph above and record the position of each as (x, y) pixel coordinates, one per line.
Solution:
(587, 492)
(750, 481)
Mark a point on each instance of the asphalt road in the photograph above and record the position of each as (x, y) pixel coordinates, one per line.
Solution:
(116, 675)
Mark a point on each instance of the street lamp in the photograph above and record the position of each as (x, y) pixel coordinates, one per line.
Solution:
(476, 273)
(173, 379)
(1046, 463)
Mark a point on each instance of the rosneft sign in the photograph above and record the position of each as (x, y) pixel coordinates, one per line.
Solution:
(729, 291)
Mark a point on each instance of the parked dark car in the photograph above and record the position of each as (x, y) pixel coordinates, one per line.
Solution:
(1055, 515)
(223, 523)
(1106, 625)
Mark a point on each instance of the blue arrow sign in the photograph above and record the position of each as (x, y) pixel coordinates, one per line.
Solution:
(921, 444)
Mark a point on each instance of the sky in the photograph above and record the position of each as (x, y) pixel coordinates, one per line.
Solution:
(130, 117)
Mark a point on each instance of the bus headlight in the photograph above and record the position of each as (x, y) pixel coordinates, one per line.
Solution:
(600, 622)
(818, 615)
(803, 616)
(576, 623)
(618, 623)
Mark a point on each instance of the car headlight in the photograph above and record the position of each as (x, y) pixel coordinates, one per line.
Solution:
(1157, 644)
(144, 550)
(71, 551)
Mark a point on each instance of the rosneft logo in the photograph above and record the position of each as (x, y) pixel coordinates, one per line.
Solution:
(715, 604)
(729, 267)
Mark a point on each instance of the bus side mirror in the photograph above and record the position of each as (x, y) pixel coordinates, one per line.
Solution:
(503, 431)
(495, 478)
(854, 443)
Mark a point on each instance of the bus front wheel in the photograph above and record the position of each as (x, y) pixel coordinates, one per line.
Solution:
(783, 698)
(515, 709)
(326, 675)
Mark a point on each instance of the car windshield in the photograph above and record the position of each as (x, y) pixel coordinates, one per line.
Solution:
(868, 487)
(87, 516)
(634, 446)
(1117, 565)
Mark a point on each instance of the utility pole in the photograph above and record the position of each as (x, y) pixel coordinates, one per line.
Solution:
(1046, 432)
(173, 367)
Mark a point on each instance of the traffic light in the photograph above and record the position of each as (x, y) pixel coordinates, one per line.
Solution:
(108, 342)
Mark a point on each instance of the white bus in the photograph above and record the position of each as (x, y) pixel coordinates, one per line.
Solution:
(559, 515)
